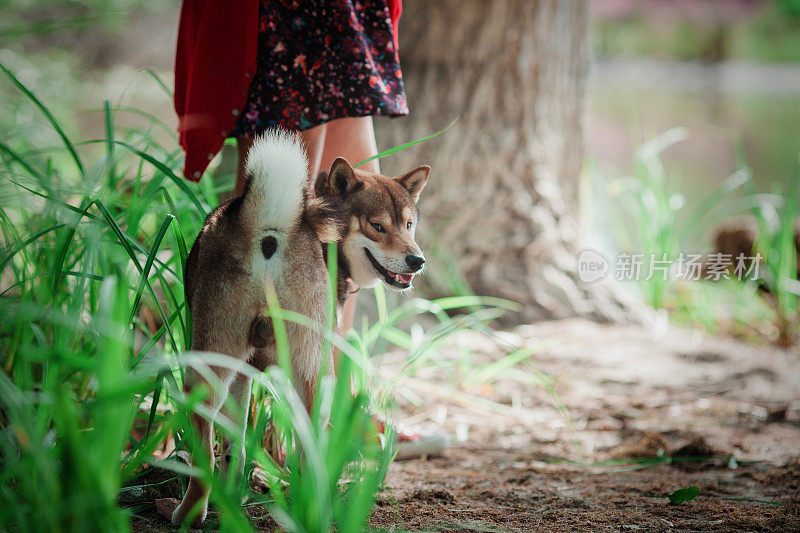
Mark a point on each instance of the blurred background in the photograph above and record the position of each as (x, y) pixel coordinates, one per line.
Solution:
(726, 70)
(676, 130)
(658, 127)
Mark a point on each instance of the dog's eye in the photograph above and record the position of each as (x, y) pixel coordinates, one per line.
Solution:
(378, 227)
(408, 225)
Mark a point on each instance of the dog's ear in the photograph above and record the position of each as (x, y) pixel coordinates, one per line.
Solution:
(321, 187)
(415, 180)
(341, 180)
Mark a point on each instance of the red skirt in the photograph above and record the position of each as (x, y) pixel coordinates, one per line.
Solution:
(320, 60)
(216, 60)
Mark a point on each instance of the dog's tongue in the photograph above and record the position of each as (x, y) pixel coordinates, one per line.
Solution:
(402, 278)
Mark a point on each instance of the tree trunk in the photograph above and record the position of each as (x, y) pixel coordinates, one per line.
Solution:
(502, 199)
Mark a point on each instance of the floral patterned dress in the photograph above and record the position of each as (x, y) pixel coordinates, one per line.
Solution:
(320, 60)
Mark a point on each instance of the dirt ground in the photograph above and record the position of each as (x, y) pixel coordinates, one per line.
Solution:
(712, 413)
(717, 414)
(478, 488)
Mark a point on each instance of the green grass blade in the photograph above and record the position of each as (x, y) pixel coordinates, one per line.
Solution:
(180, 182)
(735, 181)
(401, 147)
(16, 249)
(22, 161)
(79, 211)
(149, 264)
(72, 273)
(166, 128)
(67, 242)
(110, 164)
(32, 97)
(123, 239)
(150, 72)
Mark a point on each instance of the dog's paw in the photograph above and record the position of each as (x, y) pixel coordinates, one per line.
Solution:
(182, 510)
(261, 332)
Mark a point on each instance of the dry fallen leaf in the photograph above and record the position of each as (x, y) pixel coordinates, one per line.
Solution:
(166, 506)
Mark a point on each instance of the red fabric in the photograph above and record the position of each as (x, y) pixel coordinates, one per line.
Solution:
(214, 63)
(395, 10)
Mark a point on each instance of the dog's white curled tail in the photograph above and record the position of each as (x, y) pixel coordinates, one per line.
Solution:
(277, 170)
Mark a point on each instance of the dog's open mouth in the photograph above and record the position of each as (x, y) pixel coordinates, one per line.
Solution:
(401, 281)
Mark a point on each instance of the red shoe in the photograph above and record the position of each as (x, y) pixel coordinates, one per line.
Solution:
(411, 444)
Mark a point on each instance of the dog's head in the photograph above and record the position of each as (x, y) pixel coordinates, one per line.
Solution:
(378, 241)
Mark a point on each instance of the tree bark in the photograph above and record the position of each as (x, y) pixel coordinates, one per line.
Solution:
(502, 199)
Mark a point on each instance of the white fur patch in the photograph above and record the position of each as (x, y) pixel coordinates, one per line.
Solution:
(279, 168)
(362, 272)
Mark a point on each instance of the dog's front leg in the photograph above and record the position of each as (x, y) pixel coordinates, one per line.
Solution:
(202, 454)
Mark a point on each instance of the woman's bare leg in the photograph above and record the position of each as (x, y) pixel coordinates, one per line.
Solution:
(315, 139)
(353, 139)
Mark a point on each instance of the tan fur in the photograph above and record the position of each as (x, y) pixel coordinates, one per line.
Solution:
(373, 198)
(225, 276)
(226, 297)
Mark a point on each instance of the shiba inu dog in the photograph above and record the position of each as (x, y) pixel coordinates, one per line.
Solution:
(276, 233)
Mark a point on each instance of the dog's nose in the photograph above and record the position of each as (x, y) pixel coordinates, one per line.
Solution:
(415, 262)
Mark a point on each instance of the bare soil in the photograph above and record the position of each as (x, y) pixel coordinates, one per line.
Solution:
(715, 413)
(478, 488)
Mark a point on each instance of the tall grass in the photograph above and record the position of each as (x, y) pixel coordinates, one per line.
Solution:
(95, 333)
(61, 445)
(776, 217)
(653, 221)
